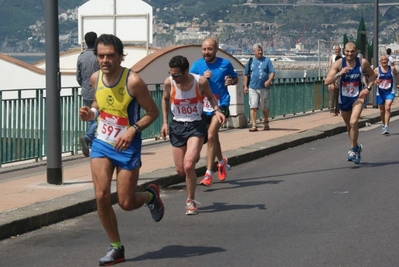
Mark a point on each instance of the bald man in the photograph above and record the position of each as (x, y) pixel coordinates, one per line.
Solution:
(351, 96)
(220, 74)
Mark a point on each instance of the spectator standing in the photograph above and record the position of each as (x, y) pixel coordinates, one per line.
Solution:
(260, 73)
(392, 64)
(183, 96)
(391, 61)
(333, 91)
(87, 64)
(337, 52)
(220, 74)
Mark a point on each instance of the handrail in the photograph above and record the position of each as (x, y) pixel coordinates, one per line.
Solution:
(23, 115)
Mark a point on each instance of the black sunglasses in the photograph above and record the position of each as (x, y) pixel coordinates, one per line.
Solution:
(175, 75)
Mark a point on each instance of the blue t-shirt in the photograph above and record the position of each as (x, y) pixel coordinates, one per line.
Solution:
(260, 71)
(221, 68)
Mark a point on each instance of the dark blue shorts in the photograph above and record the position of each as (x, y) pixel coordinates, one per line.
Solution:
(347, 104)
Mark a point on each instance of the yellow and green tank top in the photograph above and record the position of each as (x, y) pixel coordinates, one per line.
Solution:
(118, 108)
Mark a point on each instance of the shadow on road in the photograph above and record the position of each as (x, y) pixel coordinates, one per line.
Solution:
(219, 206)
(177, 252)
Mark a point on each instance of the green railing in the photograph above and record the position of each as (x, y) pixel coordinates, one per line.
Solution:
(292, 96)
(23, 115)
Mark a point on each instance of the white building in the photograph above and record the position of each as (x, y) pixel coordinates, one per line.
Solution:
(150, 63)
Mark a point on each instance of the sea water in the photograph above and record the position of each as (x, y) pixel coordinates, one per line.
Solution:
(279, 73)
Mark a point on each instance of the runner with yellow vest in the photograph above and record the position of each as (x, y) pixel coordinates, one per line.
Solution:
(120, 94)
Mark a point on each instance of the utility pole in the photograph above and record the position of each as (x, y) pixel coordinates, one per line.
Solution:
(53, 88)
(373, 98)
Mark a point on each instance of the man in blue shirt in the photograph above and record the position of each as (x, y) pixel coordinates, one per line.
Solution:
(258, 75)
(220, 74)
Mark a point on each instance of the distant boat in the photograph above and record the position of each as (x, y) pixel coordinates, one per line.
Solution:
(243, 60)
(284, 59)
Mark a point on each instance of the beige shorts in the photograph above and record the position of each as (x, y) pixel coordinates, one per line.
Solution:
(259, 98)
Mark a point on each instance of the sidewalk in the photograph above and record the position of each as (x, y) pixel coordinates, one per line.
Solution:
(28, 202)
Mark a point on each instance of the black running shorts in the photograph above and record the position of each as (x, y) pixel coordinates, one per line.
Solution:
(180, 132)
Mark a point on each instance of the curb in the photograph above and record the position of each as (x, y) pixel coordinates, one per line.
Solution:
(33, 217)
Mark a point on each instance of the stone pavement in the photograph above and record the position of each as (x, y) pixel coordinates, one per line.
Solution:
(28, 202)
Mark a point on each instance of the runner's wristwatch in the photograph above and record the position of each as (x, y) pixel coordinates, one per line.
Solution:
(137, 128)
(368, 88)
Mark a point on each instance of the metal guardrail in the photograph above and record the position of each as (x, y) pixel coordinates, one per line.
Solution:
(293, 96)
(23, 115)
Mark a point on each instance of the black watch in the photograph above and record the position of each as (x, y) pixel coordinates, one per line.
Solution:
(368, 88)
(137, 128)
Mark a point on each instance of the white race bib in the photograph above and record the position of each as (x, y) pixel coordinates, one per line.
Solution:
(350, 89)
(110, 127)
(186, 107)
(385, 84)
(207, 105)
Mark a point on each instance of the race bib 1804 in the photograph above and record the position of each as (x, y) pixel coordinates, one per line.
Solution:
(185, 107)
(110, 127)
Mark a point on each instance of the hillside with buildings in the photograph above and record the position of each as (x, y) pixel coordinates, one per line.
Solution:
(238, 24)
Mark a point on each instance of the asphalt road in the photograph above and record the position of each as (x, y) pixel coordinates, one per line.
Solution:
(304, 206)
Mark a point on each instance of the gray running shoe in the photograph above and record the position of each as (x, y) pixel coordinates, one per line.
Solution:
(113, 256)
(386, 132)
(383, 130)
(85, 146)
(156, 206)
(359, 149)
(351, 155)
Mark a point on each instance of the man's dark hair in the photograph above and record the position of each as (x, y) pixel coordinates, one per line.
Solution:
(109, 39)
(179, 62)
(389, 51)
(90, 39)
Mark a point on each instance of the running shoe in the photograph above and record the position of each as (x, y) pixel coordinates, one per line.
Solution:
(207, 181)
(85, 146)
(351, 155)
(358, 150)
(222, 170)
(383, 130)
(191, 207)
(386, 131)
(113, 256)
(156, 207)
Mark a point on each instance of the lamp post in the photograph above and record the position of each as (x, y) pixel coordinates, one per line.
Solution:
(373, 98)
(318, 56)
(53, 87)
